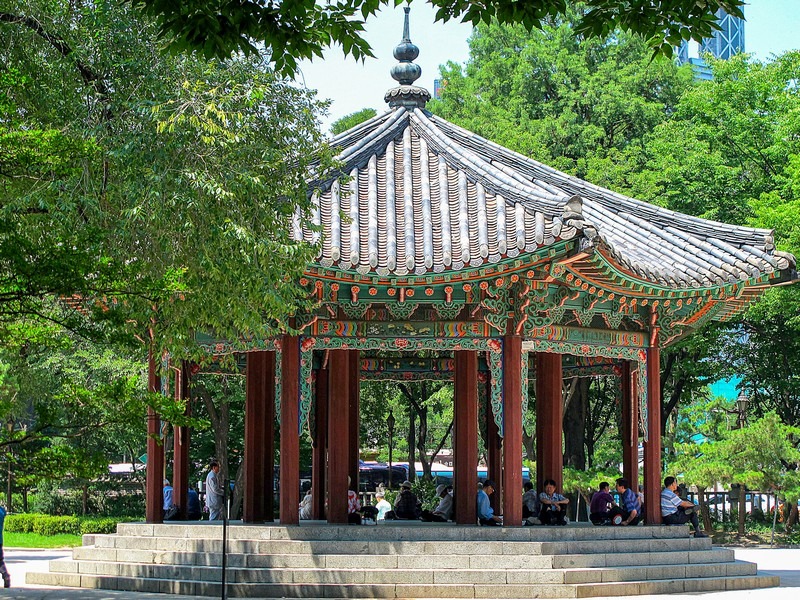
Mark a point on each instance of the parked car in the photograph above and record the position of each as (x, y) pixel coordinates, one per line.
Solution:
(719, 503)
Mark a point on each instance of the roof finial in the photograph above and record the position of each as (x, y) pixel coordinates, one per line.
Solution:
(406, 72)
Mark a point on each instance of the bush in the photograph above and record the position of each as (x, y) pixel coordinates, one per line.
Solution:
(50, 525)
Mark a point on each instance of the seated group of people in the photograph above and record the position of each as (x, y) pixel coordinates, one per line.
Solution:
(408, 507)
(603, 510)
(546, 508)
(674, 510)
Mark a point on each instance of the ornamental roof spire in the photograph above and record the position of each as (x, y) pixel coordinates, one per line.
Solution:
(406, 72)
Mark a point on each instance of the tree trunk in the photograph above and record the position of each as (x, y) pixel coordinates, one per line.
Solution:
(574, 424)
(238, 492)
(529, 443)
(742, 509)
(701, 498)
(85, 498)
(412, 459)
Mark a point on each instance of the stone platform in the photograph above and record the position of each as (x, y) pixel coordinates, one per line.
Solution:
(403, 560)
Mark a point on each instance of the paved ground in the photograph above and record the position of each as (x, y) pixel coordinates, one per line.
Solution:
(785, 563)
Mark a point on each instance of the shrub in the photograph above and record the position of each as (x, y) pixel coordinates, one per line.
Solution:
(50, 525)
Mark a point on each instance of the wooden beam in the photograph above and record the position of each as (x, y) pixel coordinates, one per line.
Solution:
(630, 423)
(465, 446)
(354, 409)
(181, 439)
(549, 417)
(268, 447)
(494, 453)
(254, 434)
(512, 429)
(652, 447)
(290, 437)
(319, 451)
(338, 434)
(154, 483)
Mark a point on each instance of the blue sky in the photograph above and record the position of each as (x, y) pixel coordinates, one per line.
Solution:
(772, 27)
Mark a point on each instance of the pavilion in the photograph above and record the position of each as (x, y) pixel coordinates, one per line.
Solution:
(433, 238)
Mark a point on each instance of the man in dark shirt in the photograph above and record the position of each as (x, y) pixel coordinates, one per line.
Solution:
(629, 503)
(603, 508)
(406, 506)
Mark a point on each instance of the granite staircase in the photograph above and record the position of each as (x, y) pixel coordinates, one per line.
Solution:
(396, 560)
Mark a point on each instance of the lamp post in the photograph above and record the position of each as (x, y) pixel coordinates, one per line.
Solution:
(390, 426)
(741, 408)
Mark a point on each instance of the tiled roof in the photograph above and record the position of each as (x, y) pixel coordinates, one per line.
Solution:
(426, 196)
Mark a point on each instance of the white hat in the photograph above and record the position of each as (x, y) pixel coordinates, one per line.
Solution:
(442, 487)
(406, 484)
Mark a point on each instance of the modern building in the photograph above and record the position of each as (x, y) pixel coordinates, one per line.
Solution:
(725, 43)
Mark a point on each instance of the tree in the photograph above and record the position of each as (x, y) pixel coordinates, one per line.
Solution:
(580, 105)
(730, 152)
(351, 120)
(302, 29)
(162, 190)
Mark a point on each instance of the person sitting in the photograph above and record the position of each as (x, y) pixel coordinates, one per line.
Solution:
(553, 509)
(193, 509)
(486, 514)
(406, 505)
(628, 503)
(602, 508)
(353, 506)
(676, 511)
(530, 505)
(444, 510)
(306, 505)
(382, 505)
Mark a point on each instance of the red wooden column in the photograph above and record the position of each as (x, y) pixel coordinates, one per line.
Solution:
(290, 438)
(630, 423)
(319, 451)
(180, 453)
(494, 453)
(255, 433)
(652, 447)
(338, 434)
(355, 425)
(512, 429)
(154, 484)
(465, 446)
(268, 446)
(549, 416)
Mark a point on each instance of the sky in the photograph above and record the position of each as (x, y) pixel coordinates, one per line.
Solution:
(771, 28)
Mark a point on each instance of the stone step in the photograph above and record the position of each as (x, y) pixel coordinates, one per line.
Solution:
(688, 586)
(391, 531)
(372, 575)
(407, 561)
(248, 546)
(404, 590)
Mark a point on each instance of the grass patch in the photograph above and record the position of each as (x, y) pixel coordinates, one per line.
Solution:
(36, 540)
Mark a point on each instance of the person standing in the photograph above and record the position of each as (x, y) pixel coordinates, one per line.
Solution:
(3, 570)
(675, 511)
(486, 514)
(215, 492)
(193, 512)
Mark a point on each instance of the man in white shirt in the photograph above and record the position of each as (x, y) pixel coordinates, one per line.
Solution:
(675, 511)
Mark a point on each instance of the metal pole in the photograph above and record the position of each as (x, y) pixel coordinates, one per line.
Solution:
(774, 520)
(227, 484)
